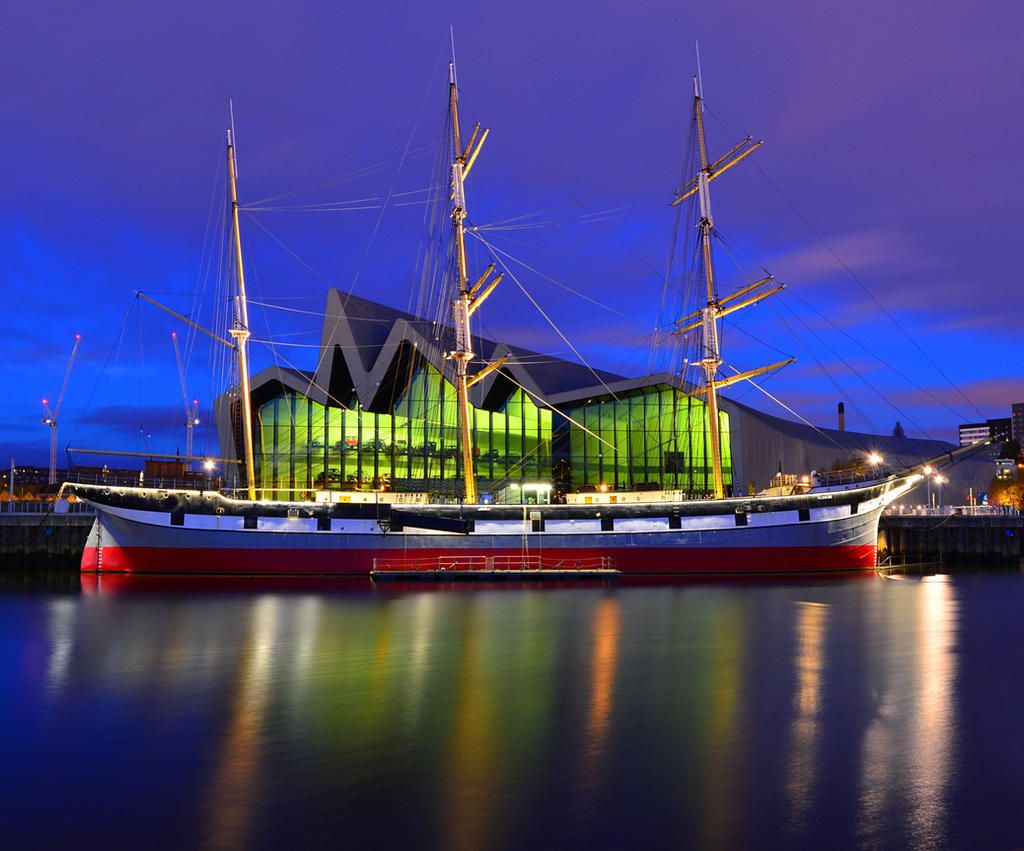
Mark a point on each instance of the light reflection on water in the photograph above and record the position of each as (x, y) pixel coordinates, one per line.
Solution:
(907, 746)
(237, 761)
(709, 714)
(804, 733)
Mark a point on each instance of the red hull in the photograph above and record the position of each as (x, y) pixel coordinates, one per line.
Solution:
(666, 560)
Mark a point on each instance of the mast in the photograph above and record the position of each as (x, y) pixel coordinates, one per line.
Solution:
(463, 352)
(468, 298)
(714, 308)
(240, 331)
(712, 358)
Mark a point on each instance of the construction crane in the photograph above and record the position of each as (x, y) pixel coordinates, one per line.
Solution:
(50, 418)
(191, 408)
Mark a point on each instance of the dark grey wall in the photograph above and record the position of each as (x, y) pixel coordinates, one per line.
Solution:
(761, 441)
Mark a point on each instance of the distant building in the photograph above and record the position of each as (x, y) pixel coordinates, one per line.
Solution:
(973, 433)
(1017, 419)
(998, 428)
(28, 475)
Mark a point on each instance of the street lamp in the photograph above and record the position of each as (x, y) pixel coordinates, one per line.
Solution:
(939, 480)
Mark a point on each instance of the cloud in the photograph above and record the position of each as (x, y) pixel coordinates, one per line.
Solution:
(861, 250)
(992, 396)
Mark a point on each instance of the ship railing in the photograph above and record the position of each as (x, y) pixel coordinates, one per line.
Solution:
(491, 564)
(59, 506)
(197, 481)
(830, 478)
(958, 510)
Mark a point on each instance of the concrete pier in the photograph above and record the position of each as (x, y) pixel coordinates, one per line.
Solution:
(43, 534)
(952, 535)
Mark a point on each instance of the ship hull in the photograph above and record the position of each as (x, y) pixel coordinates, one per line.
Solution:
(142, 531)
(361, 562)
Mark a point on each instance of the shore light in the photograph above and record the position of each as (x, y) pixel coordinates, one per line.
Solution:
(874, 459)
(927, 470)
(208, 464)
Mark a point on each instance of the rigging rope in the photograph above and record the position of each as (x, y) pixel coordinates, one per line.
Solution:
(826, 372)
(594, 260)
(276, 239)
(565, 287)
(854, 277)
(795, 414)
(337, 206)
(551, 322)
(365, 171)
(884, 363)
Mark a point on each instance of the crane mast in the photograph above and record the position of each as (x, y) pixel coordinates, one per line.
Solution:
(50, 416)
(191, 408)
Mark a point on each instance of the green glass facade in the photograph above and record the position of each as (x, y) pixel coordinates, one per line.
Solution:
(653, 436)
(305, 446)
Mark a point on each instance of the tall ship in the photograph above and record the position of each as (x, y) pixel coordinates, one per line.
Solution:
(815, 524)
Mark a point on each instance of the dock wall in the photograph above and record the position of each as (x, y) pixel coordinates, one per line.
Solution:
(36, 535)
(951, 538)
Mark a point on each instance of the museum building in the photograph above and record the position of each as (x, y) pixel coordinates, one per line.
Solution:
(379, 412)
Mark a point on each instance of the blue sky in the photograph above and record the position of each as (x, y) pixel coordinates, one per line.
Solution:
(886, 196)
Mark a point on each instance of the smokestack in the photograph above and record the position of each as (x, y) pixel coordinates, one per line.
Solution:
(842, 417)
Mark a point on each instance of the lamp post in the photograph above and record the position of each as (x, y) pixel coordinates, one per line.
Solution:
(939, 480)
(928, 478)
(874, 459)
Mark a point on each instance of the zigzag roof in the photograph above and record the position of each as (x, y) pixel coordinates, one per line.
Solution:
(366, 347)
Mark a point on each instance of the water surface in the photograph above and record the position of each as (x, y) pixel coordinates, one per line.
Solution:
(862, 712)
